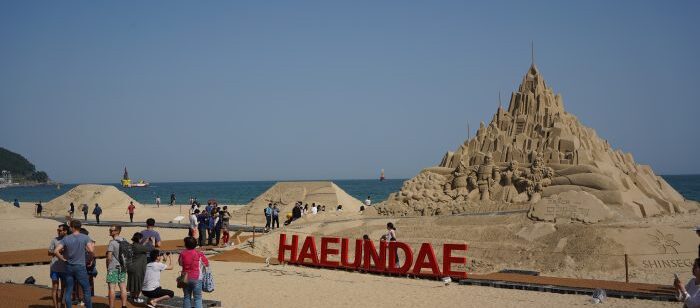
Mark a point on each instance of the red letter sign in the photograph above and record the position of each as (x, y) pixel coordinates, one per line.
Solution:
(426, 250)
(448, 259)
(371, 254)
(308, 250)
(325, 251)
(284, 247)
(344, 247)
(393, 251)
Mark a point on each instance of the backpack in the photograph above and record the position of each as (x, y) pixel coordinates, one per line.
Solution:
(126, 254)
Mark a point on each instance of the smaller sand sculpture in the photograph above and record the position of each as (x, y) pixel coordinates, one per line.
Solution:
(535, 178)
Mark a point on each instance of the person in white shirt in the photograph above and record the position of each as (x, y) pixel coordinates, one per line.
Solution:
(690, 293)
(194, 232)
(314, 209)
(151, 281)
(368, 201)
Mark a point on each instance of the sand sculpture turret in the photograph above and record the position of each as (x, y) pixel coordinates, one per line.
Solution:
(531, 154)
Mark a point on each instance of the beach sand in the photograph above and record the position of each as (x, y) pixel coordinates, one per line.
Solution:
(496, 242)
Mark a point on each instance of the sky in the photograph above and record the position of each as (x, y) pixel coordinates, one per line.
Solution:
(294, 90)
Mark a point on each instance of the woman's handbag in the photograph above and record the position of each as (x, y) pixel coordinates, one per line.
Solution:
(181, 280)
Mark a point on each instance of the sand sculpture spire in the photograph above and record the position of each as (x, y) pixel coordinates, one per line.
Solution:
(535, 150)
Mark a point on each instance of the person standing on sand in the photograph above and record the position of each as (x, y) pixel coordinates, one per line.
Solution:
(368, 201)
(84, 208)
(225, 217)
(157, 200)
(172, 199)
(75, 246)
(202, 222)
(130, 210)
(390, 236)
(137, 267)
(97, 211)
(193, 224)
(211, 225)
(16, 204)
(57, 268)
(116, 270)
(71, 210)
(268, 215)
(150, 237)
(190, 260)
(275, 216)
(218, 224)
(90, 265)
(39, 208)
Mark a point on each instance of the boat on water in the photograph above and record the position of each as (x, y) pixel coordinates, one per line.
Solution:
(126, 182)
(381, 177)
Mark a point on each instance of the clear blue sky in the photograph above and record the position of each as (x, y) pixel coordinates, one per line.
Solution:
(196, 91)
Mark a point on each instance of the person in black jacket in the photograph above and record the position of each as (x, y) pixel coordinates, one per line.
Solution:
(97, 211)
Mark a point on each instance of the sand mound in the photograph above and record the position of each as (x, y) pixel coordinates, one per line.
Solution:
(9, 211)
(285, 194)
(106, 195)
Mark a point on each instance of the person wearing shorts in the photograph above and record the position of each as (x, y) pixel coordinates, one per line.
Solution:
(57, 267)
(116, 275)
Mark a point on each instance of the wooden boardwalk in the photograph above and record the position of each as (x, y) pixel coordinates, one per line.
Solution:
(573, 285)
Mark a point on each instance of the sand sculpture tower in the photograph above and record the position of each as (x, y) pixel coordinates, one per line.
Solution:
(532, 150)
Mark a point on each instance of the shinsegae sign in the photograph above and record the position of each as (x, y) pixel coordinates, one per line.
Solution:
(371, 258)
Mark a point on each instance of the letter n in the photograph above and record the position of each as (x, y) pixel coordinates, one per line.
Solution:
(370, 255)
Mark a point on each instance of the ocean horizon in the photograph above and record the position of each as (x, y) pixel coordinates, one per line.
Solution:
(241, 192)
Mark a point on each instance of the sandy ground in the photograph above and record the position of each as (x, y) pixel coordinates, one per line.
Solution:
(239, 285)
(496, 242)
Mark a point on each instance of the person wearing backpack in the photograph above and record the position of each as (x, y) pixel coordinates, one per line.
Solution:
(119, 254)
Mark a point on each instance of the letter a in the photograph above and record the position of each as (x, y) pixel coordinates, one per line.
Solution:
(308, 250)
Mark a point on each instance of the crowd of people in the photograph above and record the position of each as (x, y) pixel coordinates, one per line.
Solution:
(209, 224)
(133, 267)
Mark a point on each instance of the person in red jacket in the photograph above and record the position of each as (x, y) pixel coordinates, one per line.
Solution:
(130, 210)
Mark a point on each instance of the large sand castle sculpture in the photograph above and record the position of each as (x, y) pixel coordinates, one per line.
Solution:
(534, 155)
(285, 194)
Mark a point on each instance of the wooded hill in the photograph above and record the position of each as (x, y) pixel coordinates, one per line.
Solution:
(22, 169)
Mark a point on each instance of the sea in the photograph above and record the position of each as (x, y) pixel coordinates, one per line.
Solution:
(241, 192)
